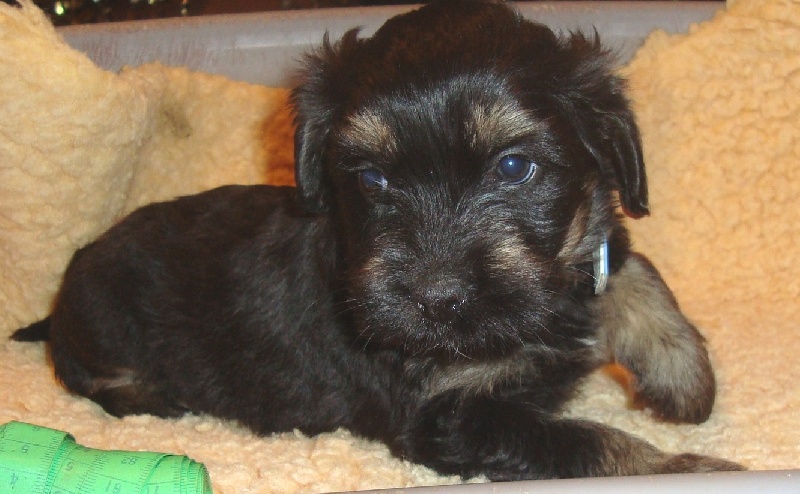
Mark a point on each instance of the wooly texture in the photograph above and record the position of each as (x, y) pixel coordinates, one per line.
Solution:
(720, 117)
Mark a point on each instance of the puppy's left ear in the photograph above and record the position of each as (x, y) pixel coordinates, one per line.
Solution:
(596, 102)
(316, 100)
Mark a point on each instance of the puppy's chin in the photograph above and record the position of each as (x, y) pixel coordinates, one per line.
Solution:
(469, 338)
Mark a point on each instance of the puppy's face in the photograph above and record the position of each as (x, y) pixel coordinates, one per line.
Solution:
(468, 158)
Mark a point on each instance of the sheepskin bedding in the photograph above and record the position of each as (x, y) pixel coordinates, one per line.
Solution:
(719, 109)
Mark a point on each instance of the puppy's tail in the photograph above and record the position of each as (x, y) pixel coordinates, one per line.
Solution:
(38, 331)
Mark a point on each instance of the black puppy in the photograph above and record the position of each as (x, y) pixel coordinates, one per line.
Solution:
(435, 282)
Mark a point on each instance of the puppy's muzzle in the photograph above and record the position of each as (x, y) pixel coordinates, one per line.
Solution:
(441, 298)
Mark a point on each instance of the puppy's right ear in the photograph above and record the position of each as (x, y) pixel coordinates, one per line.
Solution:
(317, 100)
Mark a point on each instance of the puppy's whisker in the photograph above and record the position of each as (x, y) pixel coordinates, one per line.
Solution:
(461, 354)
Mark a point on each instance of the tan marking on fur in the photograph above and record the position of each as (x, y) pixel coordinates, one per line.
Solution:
(125, 378)
(480, 377)
(623, 454)
(571, 252)
(642, 328)
(506, 120)
(510, 253)
(369, 129)
(374, 266)
(583, 233)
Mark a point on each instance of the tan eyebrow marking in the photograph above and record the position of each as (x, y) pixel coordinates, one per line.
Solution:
(490, 122)
(368, 129)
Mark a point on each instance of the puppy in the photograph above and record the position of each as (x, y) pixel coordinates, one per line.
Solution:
(435, 281)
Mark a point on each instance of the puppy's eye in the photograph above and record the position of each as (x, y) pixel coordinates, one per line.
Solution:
(372, 181)
(515, 169)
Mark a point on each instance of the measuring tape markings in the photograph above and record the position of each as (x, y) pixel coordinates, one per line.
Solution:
(38, 460)
(31, 451)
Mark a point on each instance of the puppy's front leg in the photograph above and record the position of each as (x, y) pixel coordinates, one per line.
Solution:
(642, 328)
(511, 439)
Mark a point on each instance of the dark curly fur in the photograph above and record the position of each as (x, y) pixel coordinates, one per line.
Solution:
(429, 283)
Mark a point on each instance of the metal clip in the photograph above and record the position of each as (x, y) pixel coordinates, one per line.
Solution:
(602, 269)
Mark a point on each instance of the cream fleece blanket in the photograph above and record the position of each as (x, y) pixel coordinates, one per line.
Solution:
(720, 115)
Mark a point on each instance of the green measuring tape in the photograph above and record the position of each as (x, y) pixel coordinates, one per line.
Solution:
(38, 460)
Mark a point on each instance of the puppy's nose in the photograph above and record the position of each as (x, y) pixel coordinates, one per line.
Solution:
(441, 299)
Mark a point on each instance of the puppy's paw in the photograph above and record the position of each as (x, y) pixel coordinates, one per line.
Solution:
(642, 328)
(434, 440)
(680, 389)
(691, 463)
